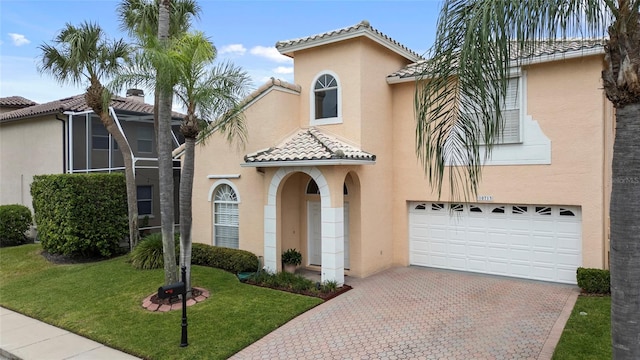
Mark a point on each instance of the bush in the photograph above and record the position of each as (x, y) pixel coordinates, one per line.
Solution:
(284, 280)
(594, 281)
(232, 260)
(149, 253)
(14, 222)
(292, 257)
(81, 215)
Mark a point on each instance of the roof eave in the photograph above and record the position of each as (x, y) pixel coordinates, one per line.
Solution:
(398, 79)
(288, 50)
(291, 163)
(540, 59)
(573, 54)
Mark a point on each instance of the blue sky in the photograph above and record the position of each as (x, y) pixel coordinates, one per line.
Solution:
(244, 32)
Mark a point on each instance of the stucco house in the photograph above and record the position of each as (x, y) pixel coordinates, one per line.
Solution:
(66, 136)
(330, 168)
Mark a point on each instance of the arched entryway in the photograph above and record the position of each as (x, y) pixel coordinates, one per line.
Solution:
(331, 215)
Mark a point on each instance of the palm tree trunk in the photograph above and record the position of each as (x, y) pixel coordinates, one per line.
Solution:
(132, 191)
(186, 190)
(625, 235)
(165, 161)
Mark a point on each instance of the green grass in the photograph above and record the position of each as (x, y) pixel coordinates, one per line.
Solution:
(587, 336)
(102, 301)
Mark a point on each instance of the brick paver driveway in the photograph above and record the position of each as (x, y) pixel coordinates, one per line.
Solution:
(418, 313)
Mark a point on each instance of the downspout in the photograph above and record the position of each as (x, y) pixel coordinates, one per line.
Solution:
(64, 143)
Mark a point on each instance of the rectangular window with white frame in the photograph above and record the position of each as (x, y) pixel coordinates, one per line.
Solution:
(511, 114)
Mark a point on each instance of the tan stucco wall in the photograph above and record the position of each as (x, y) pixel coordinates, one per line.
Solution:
(367, 121)
(566, 99)
(271, 118)
(28, 147)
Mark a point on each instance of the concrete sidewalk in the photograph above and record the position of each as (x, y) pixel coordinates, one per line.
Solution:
(22, 337)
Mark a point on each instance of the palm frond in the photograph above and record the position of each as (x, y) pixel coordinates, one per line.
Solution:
(140, 17)
(79, 53)
(465, 80)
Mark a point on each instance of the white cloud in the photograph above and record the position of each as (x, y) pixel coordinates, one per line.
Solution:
(19, 39)
(283, 70)
(270, 53)
(236, 49)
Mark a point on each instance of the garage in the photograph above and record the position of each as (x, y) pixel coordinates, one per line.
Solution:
(540, 242)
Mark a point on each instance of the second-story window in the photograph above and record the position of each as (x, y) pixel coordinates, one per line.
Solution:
(100, 137)
(145, 139)
(325, 100)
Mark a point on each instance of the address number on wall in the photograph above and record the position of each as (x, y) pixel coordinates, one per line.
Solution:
(485, 198)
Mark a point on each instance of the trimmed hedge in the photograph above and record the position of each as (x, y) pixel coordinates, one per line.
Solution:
(149, 253)
(14, 222)
(232, 260)
(594, 281)
(81, 215)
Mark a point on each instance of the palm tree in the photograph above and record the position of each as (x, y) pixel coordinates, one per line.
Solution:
(468, 73)
(162, 19)
(212, 97)
(81, 55)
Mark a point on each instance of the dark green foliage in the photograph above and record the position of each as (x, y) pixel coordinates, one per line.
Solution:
(284, 280)
(594, 281)
(149, 254)
(232, 260)
(292, 282)
(292, 257)
(80, 215)
(14, 222)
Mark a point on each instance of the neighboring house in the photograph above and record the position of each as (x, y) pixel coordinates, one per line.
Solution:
(66, 136)
(13, 103)
(330, 168)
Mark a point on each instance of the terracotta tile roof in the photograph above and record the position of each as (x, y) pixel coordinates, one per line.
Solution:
(543, 49)
(16, 102)
(78, 104)
(310, 144)
(271, 83)
(363, 28)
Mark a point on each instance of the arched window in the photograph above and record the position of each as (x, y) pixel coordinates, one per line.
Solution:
(325, 100)
(225, 218)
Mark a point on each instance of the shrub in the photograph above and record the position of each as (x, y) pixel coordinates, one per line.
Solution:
(14, 222)
(329, 286)
(284, 280)
(232, 260)
(149, 253)
(80, 215)
(292, 257)
(594, 281)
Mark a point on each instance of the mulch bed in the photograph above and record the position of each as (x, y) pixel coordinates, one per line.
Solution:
(324, 296)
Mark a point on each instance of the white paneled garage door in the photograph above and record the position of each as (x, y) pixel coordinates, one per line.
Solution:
(527, 241)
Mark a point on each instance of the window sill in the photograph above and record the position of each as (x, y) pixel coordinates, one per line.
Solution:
(326, 121)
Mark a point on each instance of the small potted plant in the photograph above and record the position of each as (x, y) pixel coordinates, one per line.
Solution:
(291, 258)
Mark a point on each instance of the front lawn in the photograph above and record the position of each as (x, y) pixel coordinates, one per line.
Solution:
(587, 336)
(102, 301)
